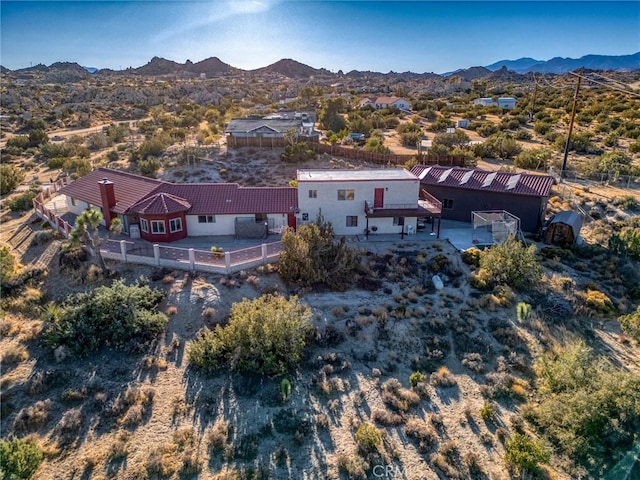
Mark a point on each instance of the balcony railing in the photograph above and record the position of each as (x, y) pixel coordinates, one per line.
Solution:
(369, 208)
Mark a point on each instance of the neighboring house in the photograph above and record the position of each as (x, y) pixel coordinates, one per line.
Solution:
(361, 201)
(383, 102)
(506, 103)
(464, 123)
(484, 102)
(463, 191)
(161, 211)
(264, 131)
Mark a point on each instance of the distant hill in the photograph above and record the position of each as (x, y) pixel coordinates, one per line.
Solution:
(291, 69)
(212, 66)
(469, 73)
(158, 66)
(91, 69)
(560, 65)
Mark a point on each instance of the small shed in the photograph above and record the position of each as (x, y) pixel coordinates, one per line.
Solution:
(563, 228)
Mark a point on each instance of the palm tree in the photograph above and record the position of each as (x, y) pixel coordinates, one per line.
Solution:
(87, 233)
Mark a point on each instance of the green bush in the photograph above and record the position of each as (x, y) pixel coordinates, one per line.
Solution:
(10, 177)
(512, 263)
(22, 202)
(416, 377)
(297, 153)
(107, 316)
(266, 335)
(587, 406)
(631, 324)
(368, 437)
(311, 257)
(471, 256)
(19, 459)
(525, 453)
(533, 158)
(149, 167)
(626, 242)
(8, 265)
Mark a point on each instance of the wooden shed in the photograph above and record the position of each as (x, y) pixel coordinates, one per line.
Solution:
(562, 228)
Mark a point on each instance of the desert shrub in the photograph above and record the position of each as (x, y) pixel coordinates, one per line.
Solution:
(107, 316)
(512, 263)
(443, 378)
(8, 263)
(631, 324)
(626, 243)
(488, 412)
(10, 177)
(297, 153)
(218, 435)
(265, 335)
(533, 158)
(19, 459)
(386, 418)
(422, 432)
(368, 437)
(588, 407)
(22, 202)
(473, 361)
(599, 302)
(311, 257)
(525, 453)
(149, 167)
(34, 416)
(471, 256)
(415, 378)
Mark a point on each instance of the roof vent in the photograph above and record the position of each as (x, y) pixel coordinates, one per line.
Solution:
(424, 173)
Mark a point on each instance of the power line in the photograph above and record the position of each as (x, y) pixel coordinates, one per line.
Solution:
(636, 94)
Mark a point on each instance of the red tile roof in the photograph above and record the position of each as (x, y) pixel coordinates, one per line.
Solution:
(160, 203)
(230, 198)
(473, 179)
(136, 193)
(129, 188)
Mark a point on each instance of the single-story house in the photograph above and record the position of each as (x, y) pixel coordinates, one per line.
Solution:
(484, 102)
(161, 211)
(265, 131)
(383, 102)
(464, 190)
(360, 202)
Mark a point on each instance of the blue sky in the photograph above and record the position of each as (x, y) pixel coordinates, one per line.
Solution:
(338, 35)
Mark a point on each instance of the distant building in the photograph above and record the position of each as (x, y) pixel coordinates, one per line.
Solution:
(383, 102)
(464, 123)
(268, 131)
(507, 103)
(484, 102)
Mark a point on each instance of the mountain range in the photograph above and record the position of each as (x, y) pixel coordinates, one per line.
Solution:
(213, 66)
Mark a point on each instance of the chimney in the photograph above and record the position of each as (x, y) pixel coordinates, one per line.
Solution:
(108, 197)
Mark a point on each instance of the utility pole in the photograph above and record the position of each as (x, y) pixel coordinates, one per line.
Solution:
(573, 116)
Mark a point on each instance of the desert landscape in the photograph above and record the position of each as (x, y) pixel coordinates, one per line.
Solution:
(525, 364)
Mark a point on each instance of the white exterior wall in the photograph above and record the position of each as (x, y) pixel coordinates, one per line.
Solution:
(398, 192)
(81, 206)
(225, 224)
(402, 104)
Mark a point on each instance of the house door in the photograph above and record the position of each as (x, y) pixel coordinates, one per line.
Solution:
(378, 198)
(291, 220)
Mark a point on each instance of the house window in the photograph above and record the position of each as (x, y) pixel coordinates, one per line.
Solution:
(157, 227)
(206, 219)
(346, 194)
(144, 225)
(447, 203)
(175, 225)
(73, 201)
(352, 220)
(261, 217)
(397, 221)
(313, 194)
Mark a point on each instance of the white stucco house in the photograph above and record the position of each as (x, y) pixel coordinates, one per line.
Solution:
(383, 102)
(358, 202)
(507, 103)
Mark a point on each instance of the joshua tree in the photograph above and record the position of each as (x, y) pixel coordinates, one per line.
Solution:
(86, 232)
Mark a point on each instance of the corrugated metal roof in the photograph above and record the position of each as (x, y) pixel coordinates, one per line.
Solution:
(457, 177)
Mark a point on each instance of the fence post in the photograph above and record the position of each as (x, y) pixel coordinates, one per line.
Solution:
(192, 259)
(227, 261)
(264, 253)
(156, 253)
(123, 250)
